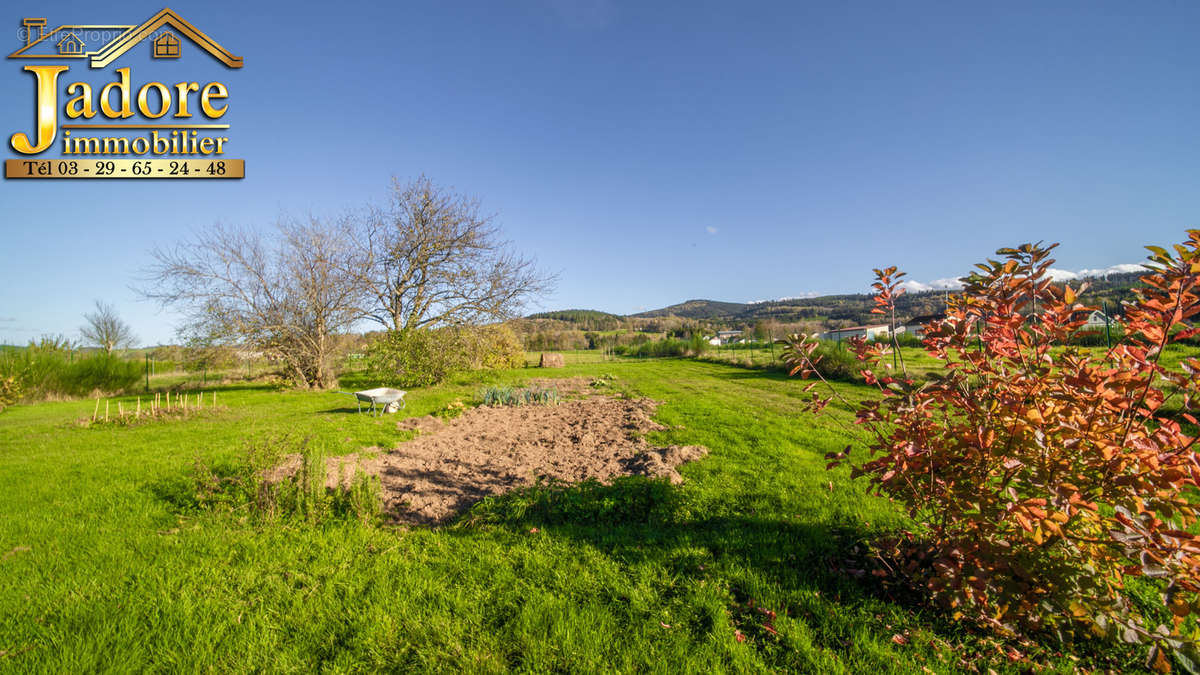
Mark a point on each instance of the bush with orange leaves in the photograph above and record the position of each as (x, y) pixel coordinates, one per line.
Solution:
(1042, 475)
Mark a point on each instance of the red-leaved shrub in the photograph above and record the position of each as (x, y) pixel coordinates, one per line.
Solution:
(1042, 475)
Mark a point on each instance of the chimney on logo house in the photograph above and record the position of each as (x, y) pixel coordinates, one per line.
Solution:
(30, 24)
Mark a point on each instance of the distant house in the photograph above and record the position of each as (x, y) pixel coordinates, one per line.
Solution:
(724, 337)
(869, 332)
(917, 324)
(1097, 320)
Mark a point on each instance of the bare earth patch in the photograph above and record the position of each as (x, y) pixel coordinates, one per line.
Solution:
(566, 386)
(427, 424)
(492, 450)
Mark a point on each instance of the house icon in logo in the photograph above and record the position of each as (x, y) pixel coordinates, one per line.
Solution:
(102, 45)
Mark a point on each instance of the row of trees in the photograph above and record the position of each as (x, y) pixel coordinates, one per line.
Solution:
(428, 259)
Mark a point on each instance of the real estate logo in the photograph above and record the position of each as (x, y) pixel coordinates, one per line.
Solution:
(183, 134)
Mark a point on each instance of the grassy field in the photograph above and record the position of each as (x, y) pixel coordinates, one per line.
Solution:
(108, 564)
(572, 357)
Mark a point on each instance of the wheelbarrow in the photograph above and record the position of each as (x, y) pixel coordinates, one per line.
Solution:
(379, 398)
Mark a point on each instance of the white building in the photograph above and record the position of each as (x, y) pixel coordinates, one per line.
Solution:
(1097, 319)
(725, 337)
(917, 324)
(869, 332)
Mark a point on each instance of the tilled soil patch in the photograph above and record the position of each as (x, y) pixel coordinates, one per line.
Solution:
(492, 450)
(565, 386)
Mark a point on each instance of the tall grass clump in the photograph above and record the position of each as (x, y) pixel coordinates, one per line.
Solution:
(837, 362)
(901, 340)
(253, 483)
(658, 349)
(38, 373)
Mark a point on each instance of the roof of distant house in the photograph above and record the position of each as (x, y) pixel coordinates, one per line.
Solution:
(849, 328)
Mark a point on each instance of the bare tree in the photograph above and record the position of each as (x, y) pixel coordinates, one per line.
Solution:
(288, 296)
(106, 330)
(431, 259)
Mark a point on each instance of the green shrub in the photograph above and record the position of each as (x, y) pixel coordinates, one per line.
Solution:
(698, 345)
(419, 358)
(488, 347)
(102, 372)
(836, 362)
(40, 373)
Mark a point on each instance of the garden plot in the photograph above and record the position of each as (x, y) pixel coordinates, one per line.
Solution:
(491, 450)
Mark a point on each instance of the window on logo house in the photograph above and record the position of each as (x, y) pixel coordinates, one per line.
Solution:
(166, 46)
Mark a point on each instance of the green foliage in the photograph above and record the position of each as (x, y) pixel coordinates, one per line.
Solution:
(420, 358)
(40, 373)
(502, 395)
(100, 372)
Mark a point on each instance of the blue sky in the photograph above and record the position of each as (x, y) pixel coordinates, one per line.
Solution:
(652, 152)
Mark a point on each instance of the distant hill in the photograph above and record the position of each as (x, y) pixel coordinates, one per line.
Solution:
(587, 319)
(698, 309)
(855, 307)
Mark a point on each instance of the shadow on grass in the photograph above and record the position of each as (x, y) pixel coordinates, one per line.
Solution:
(637, 521)
(348, 409)
(214, 386)
(358, 380)
(636, 518)
(742, 373)
(640, 520)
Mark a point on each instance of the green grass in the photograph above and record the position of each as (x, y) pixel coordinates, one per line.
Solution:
(109, 566)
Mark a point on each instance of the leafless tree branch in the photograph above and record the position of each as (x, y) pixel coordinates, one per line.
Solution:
(432, 260)
(288, 296)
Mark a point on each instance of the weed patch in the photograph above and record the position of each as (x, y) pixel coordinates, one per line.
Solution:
(250, 485)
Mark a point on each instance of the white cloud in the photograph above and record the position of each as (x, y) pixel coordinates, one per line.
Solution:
(947, 284)
(710, 229)
(1061, 275)
(1122, 268)
(803, 296)
(913, 286)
